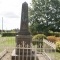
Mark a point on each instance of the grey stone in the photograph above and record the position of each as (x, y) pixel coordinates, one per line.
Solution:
(24, 20)
(23, 35)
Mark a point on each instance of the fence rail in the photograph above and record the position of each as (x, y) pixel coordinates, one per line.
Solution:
(49, 49)
(49, 43)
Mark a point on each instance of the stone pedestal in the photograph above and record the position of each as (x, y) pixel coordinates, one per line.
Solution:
(23, 40)
(21, 57)
(20, 53)
(26, 38)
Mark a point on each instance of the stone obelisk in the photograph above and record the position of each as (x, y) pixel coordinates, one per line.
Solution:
(24, 20)
(23, 35)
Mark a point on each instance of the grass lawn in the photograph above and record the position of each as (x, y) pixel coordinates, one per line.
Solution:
(7, 42)
(57, 54)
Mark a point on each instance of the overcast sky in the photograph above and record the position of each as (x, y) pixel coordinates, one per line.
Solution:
(10, 10)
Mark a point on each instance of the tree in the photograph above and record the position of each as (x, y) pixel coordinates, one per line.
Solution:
(44, 15)
(52, 14)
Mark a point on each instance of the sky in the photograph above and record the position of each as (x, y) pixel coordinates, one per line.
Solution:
(10, 10)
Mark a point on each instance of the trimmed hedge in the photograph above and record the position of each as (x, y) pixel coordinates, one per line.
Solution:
(57, 34)
(9, 34)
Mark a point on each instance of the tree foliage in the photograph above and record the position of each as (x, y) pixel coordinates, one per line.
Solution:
(44, 15)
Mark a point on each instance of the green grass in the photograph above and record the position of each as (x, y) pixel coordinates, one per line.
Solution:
(7, 42)
(10, 41)
(57, 54)
(53, 54)
(0, 35)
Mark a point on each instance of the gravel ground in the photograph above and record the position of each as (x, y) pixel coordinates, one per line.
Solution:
(8, 57)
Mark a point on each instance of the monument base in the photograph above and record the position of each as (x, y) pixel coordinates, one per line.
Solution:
(22, 42)
(26, 38)
(21, 57)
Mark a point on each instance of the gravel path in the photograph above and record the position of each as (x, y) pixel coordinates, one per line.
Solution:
(41, 57)
(8, 57)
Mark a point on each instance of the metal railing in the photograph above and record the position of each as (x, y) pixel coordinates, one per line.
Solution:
(49, 49)
(8, 44)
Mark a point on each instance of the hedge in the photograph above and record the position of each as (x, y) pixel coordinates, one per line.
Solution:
(9, 34)
(57, 34)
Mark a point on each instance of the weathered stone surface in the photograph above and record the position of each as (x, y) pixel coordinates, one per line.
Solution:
(24, 20)
(23, 36)
(26, 38)
(21, 57)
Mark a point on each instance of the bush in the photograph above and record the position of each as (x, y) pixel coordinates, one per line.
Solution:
(58, 46)
(51, 33)
(57, 34)
(51, 38)
(57, 38)
(37, 39)
(9, 34)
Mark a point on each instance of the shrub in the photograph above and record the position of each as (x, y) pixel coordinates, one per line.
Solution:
(51, 38)
(58, 46)
(37, 39)
(57, 34)
(9, 34)
(57, 38)
(51, 33)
